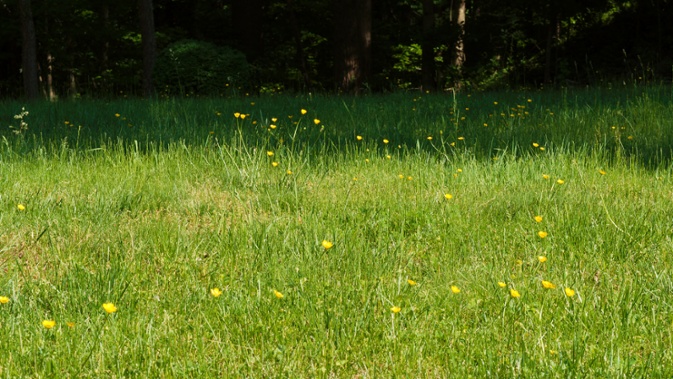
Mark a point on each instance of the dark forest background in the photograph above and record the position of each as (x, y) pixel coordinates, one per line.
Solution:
(70, 48)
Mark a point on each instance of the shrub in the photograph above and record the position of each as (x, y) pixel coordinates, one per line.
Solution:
(196, 67)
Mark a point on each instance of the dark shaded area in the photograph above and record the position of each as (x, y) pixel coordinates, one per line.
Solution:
(93, 48)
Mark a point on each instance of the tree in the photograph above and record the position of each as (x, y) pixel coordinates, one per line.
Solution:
(149, 44)
(247, 15)
(352, 41)
(458, 19)
(28, 51)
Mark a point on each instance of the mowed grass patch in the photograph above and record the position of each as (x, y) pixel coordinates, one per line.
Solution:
(346, 259)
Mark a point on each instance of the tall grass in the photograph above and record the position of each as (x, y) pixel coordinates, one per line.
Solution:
(152, 209)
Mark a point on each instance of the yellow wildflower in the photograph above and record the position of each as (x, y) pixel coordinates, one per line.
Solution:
(278, 294)
(560, 181)
(304, 111)
(21, 207)
(448, 196)
(542, 234)
(411, 282)
(243, 116)
(548, 285)
(602, 172)
(395, 309)
(70, 324)
(273, 119)
(535, 144)
(327, 244)
(48, 324)
(216, 292)
(237, 115)
(545, 176)
(385, 141)
(109, 308)
(455, 289)
(541, 258)
(272, 126)
(269, 153)
(538, 218)
(359, 138)
(4, 300)
(316, 121)
(502, 284)
(514, 293)
(569, 292)
(274, 164)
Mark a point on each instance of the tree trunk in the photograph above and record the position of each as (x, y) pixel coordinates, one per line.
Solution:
(428, 48)
(149, 44)
(28, 51)
(352, 37)
(458, 18)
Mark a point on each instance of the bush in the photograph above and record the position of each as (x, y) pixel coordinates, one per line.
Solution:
(196, 67)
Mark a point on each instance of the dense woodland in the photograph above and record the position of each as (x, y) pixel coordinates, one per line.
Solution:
(69, 48)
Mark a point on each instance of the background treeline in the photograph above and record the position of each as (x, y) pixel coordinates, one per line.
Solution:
(63, 48)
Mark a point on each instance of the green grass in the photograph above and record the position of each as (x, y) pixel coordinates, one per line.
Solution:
(153, 215)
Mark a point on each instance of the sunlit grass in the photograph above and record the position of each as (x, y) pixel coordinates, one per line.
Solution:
(200, 241)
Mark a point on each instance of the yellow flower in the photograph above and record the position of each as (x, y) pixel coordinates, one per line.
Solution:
(215, 292)
(429, 138)
(514, 293)
(48, 324)
(385, 140)
(560, 181)
(455, 289)
(569, 292)
(502, 284)
(21, 207)
(237, 115)
(395, 309)
(70, 324)
(548, 285)
(109, 308)
(117, 115)
(243, 116)
(541, 148)
(289, 172)
(278, 294)
(273, 119)
(602, 172)
(448, 196)
(542, 234)
(538, 218)
(495, 103)
(269, 153)
(272, 126)
(410, 178)
(304, 111)
(535, 144)
(541, 258)
(545, 176)
(218, 114)
(518, 262)
(359, 138)
(411, 282)
(461, 138)
(316, 121)
(274, 164)
(327, 244)
(388, 157)
(400, 176)
(4, 300)
(459, 170)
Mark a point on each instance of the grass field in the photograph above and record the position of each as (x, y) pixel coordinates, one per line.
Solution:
(493, 235)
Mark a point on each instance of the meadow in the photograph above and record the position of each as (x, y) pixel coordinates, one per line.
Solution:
(500, 234)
